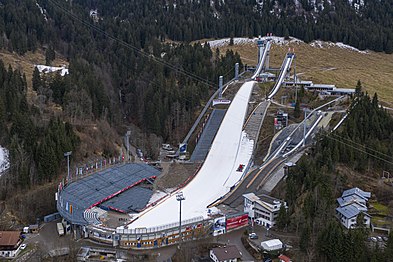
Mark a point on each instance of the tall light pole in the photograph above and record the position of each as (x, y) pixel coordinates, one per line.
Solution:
(67, 154)
(180, 197)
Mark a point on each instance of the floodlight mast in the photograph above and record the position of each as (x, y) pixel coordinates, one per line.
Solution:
(180, 197)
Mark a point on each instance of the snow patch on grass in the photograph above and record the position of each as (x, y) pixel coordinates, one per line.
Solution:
(4, 161)
(247, 41)
(323, 44)
(50, 69)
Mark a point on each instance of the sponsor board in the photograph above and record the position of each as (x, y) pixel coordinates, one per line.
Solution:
(221, 102)
(237, 221)
(219, 226)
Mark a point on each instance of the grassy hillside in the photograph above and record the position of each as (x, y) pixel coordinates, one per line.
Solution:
(27, 62)
(332, 65)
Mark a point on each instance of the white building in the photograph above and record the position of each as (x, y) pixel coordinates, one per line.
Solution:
(353, 202)
(272, 245)
(9, 243)
(263, 209)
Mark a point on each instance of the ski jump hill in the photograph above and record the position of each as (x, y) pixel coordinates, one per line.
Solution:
(218, 174)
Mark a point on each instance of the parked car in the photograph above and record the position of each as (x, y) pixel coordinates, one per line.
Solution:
(253, 236)
(379, 239)
(385, 238)
(23, 246)
(167, 147)
(374, 239)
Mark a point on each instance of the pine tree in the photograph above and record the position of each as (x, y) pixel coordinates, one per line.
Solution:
(282, 217)
(358, 89)
(36, 81)
(50, 55)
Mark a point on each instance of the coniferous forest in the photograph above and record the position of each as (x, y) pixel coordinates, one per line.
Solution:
(133, 62)
(130, 78)
(365, 140)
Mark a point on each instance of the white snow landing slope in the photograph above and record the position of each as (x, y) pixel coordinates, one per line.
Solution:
(230, 148)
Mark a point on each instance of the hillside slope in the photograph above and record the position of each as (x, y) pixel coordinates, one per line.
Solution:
(329, 63)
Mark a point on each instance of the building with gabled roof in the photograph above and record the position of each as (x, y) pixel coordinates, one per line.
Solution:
(358, 192)
(284, 258)
(353, 202)
(9, 243)
(225, 254)
(343, 201)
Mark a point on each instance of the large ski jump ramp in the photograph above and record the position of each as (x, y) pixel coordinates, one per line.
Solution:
(230, 148)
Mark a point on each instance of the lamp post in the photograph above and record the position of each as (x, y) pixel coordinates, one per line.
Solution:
(67, 154)
(180, 197)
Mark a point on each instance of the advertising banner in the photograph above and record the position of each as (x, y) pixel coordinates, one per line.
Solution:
(237, 221)
(219, 226)
(221, 102)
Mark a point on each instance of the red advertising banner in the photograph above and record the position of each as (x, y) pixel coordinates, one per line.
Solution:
(237, 221)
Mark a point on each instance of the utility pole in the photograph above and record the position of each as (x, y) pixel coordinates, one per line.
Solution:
(237, 71)
(67, 154)
(180, 197)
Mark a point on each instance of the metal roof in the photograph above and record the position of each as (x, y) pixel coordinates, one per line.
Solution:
(344, 90)
(357, 191)
(76, 197)
(343, 201)
(351, 211)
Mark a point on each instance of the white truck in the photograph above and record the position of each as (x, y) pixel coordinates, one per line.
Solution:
(60, 229)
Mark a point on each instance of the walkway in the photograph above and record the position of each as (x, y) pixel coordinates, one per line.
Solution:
(208, 134)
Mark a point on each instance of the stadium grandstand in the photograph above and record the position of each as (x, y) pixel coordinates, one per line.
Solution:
(124, 188)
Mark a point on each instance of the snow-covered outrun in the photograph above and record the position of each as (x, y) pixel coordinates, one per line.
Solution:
(231, 147)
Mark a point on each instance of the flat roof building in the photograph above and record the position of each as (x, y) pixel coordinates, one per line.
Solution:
(263, 209)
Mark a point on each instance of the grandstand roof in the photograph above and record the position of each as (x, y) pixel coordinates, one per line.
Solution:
(107, 187)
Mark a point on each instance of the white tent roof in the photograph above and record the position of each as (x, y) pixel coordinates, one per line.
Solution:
(270, 245)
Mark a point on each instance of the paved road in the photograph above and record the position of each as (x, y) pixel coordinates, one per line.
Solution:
(234, 238)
